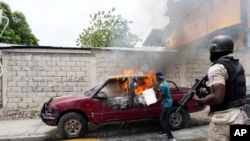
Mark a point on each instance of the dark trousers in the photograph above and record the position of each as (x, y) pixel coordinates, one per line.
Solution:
(164, 118)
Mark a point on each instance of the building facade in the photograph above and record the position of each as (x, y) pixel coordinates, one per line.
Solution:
(191, 20)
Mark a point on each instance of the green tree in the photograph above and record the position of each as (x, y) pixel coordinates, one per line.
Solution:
(107, 30)
(18, 30)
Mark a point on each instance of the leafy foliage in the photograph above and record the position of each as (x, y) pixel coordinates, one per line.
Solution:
(18, 30)
(107, 30)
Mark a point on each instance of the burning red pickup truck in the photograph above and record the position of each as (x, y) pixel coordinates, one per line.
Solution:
(117, 99)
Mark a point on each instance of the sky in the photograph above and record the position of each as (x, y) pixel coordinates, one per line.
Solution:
(59, 22)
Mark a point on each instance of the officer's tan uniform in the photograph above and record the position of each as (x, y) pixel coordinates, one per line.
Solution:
(221, 120)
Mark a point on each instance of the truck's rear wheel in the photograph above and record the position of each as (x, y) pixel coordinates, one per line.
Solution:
(177, 120)
(72, 125)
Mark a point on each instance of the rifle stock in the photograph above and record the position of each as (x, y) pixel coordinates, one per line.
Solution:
(196, 87)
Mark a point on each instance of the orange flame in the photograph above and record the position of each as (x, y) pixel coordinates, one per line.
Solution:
(146, 84)
(140, 84)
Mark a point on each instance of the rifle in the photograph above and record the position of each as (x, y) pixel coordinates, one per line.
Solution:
(199, 87)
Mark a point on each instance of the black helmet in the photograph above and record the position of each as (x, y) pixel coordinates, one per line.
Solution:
(221, 43)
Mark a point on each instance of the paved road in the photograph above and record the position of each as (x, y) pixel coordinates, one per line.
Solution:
(188, 134)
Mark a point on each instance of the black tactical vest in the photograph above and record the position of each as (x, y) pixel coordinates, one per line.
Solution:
(235, 95)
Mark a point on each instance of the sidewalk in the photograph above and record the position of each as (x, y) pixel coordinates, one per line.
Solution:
(24, 129)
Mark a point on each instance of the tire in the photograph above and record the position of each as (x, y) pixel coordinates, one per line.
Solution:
(72, 125)
(177, 120)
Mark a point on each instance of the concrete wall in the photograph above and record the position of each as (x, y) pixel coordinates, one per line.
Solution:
(34, 75)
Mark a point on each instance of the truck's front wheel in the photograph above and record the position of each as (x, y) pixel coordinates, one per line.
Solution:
(72, 125)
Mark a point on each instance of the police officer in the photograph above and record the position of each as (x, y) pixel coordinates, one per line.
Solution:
(226, 79)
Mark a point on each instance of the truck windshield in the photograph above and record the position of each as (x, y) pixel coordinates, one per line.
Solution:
(94, 89)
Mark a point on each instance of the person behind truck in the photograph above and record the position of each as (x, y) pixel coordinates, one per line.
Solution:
(164, 95)
(226, 79)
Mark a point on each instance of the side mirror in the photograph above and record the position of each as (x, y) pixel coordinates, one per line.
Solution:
(102, 95)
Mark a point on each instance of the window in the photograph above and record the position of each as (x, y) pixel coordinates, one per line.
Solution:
(116, 88)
